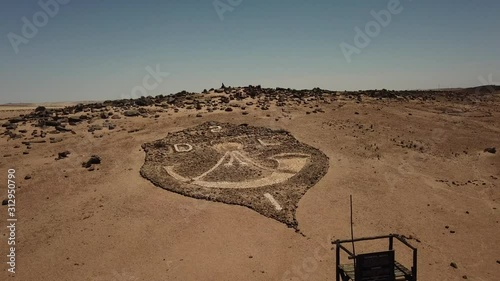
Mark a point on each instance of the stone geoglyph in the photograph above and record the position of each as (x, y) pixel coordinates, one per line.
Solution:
(265, 170)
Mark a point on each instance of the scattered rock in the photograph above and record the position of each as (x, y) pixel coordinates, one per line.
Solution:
(11, 126)
(40, 109)
(133, 131)
(491, 150)
(62, 129)
(5, 202)
(62, 155)
(224, 99)
(94, 159)
(55, 140)
(17, 120)
(131, 113)
(28, 177)
(94, 128)
(74, 120)
(52, 123)
(454, 265)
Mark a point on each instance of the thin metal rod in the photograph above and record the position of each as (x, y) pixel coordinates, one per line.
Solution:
(403, 240)
(363, 239)
(351, 255)
(352, 233)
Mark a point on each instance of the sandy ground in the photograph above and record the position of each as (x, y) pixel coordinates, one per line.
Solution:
(413, 168)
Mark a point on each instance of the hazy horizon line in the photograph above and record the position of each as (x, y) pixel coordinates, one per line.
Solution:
(229, 86)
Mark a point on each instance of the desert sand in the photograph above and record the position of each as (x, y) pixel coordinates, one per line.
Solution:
(415, 165)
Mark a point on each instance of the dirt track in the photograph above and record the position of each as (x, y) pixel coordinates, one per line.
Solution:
(414, 167)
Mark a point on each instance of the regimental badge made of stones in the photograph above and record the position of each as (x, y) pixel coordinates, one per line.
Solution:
(263, 169)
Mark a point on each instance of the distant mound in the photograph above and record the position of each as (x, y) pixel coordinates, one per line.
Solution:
(486, 89)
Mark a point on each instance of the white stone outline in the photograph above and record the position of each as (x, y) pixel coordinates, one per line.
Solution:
(283, 172)
(275, 203)
(176, 147)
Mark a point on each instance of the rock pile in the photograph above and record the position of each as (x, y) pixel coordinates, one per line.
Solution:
(226, 98)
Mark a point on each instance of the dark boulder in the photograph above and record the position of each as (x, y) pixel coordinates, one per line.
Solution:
(94, 159)
(40, 109)
(491, 150)
(52, 123)
(17, 120)
(79, 108)
(144, 101)
(62, 155)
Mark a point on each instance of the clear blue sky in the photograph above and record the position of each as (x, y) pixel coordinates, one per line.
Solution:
(97, 50)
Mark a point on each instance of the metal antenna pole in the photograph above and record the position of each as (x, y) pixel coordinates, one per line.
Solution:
(352, 233)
